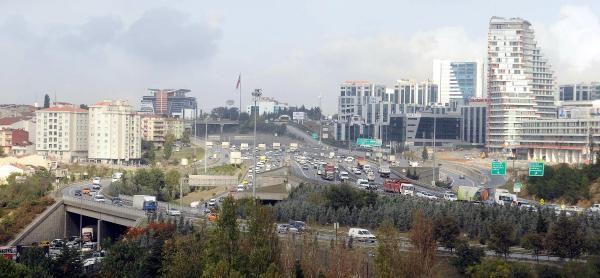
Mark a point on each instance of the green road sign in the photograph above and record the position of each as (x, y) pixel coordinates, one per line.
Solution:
(536, 169)
(368, 143)
(498, 168)
(517, 187)
(314, 136)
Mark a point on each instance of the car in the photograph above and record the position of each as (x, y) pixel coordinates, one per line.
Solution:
(57, 242)
(344, 175)
(299, 225)
(96, 180)
(240, 188)
(99, 198)
(356, 171)
(449, 196)
(362, 183)
(595, 208)
(361, 234)
(212, 202)
(96, 186)
(86, 191)
(304, 166)
(349, 159)
(173, 212)
(89, 247)
(77, 192)
(283, 228)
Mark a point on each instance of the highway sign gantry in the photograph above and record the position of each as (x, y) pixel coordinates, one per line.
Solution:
(536, 169)
(498, 168)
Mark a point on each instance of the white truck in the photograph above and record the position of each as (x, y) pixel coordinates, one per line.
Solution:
(276, 146)
(595, 208)
(116, 176)
(331, 155)
(87, 234)
(225, 145)
(243, 146)
(209, 144)
(504, 198)
(262, 147)
(235, 158)
(293, 147)
(407, 189)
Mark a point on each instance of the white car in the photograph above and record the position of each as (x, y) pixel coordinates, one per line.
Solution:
(449, 196)
(173, 212)
(362, 183)
(426, 195)
(344, 175)
(349, 159)
(361, 234)
(99, 198)
(212, 202)
(356, 171)
(96, 180)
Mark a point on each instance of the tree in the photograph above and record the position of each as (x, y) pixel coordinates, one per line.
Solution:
(84, 107)
(67, 263)
(185, 139)
(261, 239)
(501, 238)
(172, 180)
(46, 101)
(388, 254)
(466, 256)
(490, 268)
(566, 238)
(533, 242)
(224, 245)
(11, 269)
(425, 153)
(168, 145)
(184, 256)
(446, 231)
(422, 259)
(541, 226)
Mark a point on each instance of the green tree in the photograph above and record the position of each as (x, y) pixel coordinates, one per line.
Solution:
(541, 226)
(425, 153)
(533, 242)
(149, 152)
(168, 146)
(388, 253)
(466, 256)
(46, 101)
(566, 238)
(501, 238)
(262, 240)
(224, 245)
(67, 263)
(172, 179)
(446, 231)
(10, 269)
(125, 259)
(84, 107)
(185, 138)
(184, 256)
(35, 259)
(495, 268)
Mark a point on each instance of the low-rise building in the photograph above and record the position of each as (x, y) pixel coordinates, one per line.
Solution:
(12, 137)
(267, 105)
(156, 127)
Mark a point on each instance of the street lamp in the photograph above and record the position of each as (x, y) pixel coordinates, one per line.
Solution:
(256, 96)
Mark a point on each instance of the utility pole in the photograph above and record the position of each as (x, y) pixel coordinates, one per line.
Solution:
(256, 95)
(205, 143)
(320, 122)
(433, 150)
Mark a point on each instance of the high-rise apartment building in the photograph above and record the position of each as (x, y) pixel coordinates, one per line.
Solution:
(521, 84)
(62, 132)
(114, 133)
(458, 81)
(168, 102)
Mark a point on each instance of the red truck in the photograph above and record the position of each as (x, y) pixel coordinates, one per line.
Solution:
(329, 172)
(394, 185)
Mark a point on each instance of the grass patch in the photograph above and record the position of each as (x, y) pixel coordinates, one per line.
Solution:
(188, 152)
(15, 220)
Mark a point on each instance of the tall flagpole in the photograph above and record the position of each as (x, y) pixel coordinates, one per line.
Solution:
(240, 112)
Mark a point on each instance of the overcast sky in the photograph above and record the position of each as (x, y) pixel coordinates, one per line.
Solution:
(85, 51)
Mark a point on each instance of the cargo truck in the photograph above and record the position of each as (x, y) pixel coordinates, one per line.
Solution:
(361, 161)
(145, 202)
(329, 172)
(293, 147)
(244, 146)
(404, 187)
(87, 234)
(384, 171)
(276, 146)
(473, 194)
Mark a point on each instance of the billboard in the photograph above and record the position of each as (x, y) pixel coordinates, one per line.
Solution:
(298, 115)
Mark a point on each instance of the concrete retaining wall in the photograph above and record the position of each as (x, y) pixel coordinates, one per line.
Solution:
(49, 225)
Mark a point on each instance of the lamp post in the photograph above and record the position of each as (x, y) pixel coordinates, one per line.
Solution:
(205, 143)
(256, 96)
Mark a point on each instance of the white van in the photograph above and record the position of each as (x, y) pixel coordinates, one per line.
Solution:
(367, 168)
(361, 234)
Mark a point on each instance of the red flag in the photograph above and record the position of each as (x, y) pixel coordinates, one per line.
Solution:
(239, 82)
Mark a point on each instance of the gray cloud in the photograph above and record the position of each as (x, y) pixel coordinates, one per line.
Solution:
(167, 36)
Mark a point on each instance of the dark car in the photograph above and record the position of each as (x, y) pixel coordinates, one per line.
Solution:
(301, 226)
(78, 192)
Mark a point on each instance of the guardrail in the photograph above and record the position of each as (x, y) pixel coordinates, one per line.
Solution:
(121, 211)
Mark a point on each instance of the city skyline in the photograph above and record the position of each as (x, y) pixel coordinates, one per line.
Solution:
(77, 54)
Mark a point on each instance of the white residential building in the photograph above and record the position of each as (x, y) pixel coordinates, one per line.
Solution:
(458, 81)
(521, 85)
(115, 133)
(267, 105)
(62, 133)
